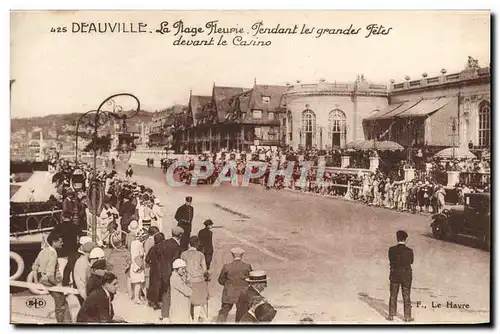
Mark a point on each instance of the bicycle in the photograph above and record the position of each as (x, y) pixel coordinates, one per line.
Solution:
(111, 237)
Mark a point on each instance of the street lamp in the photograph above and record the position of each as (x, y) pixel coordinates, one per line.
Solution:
(100, 118)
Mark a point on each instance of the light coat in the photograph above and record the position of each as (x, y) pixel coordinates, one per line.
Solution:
(180, 305)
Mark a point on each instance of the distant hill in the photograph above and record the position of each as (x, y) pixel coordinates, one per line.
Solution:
(56, 122)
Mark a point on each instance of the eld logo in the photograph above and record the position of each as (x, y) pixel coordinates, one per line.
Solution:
(36, 302)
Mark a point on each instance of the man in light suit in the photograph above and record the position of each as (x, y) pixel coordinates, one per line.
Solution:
(232, 277)
(400, 259)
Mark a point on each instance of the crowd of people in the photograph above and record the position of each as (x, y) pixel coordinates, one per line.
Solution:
(167, 274)
(173, 274)
(425, 193)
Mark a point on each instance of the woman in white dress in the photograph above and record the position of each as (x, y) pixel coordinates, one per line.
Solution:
(137, 277)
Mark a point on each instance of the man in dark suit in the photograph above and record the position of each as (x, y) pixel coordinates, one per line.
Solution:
(258, 282)
(400, 259)
(170, 250)
(184, 216)
(98, 307)
(206, 244)
(232, 277)
(70, 233)
(127, 212)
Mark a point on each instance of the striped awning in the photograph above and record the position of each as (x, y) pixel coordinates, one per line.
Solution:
(418, 108)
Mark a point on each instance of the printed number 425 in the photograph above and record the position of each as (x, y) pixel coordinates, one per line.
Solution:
(59, 29)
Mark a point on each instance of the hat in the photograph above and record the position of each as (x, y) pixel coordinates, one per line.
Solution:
(177, 231)
(237, 251)
(208, 222)
(83, 240)
(133, 226)
(179, 263)
(257, 276)
(157, 201)
(87, 247)
(96, 253)
(100, 264)
(137, 189)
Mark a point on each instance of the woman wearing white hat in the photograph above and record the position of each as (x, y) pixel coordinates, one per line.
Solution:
(137, 277)
(180, 305)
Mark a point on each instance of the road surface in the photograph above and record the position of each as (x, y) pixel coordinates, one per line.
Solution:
(327, 258)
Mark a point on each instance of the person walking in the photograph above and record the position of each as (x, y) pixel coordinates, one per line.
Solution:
(148, 244)
(129, 172)
(170, 250)
(197, 275)
(258, 282)
(81, 270)
(157, 285)
(137, 276)
(180, 310)
(46, 271)
(206, 244)
(232, 277)
(184, 216)
(400, 260)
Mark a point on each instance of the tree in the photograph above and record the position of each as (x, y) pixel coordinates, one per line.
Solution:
(103, 144)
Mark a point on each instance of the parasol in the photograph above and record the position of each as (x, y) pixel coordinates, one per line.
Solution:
(371, 144)
(455, 152)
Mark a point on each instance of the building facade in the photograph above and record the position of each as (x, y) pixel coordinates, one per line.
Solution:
(440, 111)
(233, 118)
(329, 115)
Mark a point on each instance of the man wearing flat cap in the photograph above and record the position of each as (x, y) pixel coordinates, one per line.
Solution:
(232, 277)
(170, 250)
(184, 216)
(258, 282)
(400, 260)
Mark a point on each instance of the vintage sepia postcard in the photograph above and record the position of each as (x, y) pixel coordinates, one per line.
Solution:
(250, 167)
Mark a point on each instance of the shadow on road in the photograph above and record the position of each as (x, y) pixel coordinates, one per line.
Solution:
(463, 240)
(379, 305)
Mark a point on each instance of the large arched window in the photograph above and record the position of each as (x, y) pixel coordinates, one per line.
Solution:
(337, 128)
(484, 124)
(308, 127)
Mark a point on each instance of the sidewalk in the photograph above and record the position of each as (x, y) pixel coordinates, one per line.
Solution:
(123, 307)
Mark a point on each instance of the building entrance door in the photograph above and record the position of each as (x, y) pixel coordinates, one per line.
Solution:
(335, 139)
(309, 140)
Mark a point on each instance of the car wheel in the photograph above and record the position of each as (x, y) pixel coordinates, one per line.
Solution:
(437, 231)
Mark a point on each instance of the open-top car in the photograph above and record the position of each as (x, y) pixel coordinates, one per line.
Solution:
(473, 218)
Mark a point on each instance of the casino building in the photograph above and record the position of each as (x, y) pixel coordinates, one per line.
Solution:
(432, 111)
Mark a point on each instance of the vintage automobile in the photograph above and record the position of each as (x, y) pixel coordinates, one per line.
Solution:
(473, 218)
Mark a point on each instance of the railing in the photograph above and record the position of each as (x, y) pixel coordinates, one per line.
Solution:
(35, 222)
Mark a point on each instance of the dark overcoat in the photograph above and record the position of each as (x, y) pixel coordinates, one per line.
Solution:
(232, 277)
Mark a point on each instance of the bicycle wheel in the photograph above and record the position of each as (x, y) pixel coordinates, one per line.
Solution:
(115, 239)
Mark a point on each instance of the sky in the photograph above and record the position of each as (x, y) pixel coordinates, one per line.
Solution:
(69, 72)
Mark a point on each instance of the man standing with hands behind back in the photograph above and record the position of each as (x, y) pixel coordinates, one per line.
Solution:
(400, 260)
(184, 216)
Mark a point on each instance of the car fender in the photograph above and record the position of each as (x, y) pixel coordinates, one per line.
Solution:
(439, 218)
